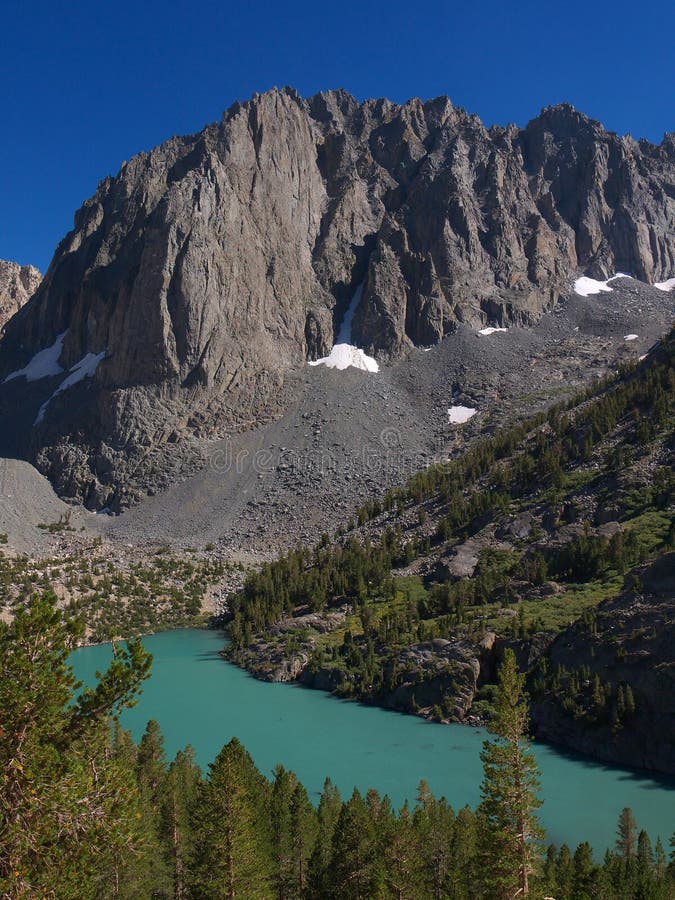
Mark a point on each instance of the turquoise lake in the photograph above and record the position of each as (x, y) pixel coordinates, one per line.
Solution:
(200, 699)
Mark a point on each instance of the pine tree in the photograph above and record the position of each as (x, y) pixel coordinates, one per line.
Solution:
(620, 703)
(564, 871)
(182, 785)
(65, 807)
(151, 762)
(550, 872)
(645, 854)
(584, 873)
(123, 746)
(233, 854)
(400, 855)
(660, 859)
(354, 872)
(463, 874)
(510, 833)
(280, 813)
(133, 851)
(630, 701)
(626, 834)
(328, 813)
(434, 824)
(151, 774)
(303, 837)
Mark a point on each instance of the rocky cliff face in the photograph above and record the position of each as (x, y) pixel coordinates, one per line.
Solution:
(17, 285)
(211, 266)
(630, 643)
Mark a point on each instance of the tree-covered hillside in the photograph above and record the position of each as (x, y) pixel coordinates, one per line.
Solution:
(527, 532)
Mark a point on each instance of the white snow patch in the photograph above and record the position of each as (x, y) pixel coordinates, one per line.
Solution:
(45, 363)
(630, 337)
(665, 285)
(457, 415)
(85, 368)
(344, 354)
(491, 330)
(586, 286)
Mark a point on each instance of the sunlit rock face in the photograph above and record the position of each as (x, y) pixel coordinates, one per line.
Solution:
(17, 285)
(213, 266)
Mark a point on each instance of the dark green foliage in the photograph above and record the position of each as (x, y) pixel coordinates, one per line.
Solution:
(151, 777)
(355, 871)
(67, 805)
(509, 831)
(303, 834)
(175, 826)
(232, 830)
(304, 577)
(328, 813)
(294, 827)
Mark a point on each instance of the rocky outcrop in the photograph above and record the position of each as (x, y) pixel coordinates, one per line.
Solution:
(439, 677)
(630, 642)
(284, 651)
(17, 285)
(433, 679)
(209, 268)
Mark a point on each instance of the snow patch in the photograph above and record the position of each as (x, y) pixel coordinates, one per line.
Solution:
(457, 415)
(45, 363)
(491, 330)
(665, 285)
(630, 337)
(85, 368)
(586, 286)
(344, 354)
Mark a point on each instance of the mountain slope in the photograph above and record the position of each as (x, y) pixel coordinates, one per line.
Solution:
(345, 437)
(565, 518)
(208, 269)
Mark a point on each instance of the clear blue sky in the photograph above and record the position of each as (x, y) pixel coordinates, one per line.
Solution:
(88, 83)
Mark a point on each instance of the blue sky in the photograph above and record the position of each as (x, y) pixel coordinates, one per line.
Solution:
(88, 84)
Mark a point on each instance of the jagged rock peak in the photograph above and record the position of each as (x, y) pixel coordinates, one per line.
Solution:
(17, 284)
(214, 264)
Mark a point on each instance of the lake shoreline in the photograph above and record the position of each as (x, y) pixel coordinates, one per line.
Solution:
(472, 722)
(419, 696)
(199, 701)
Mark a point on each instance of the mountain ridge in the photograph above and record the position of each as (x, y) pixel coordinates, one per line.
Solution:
(213, 265)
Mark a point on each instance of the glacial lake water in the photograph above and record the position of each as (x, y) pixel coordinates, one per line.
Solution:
(200, 699)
